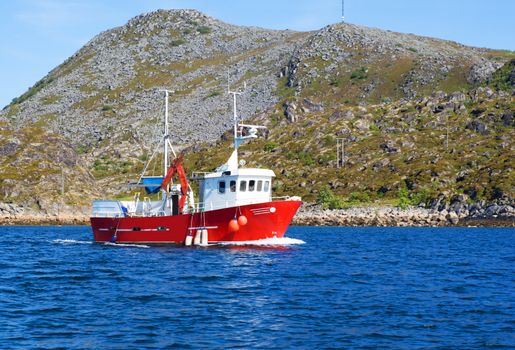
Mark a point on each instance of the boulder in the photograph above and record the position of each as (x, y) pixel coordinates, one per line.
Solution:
(477, 126)
(345, 115)
(507, 119)
(380, 164)
(453, 218)
(310, 106)
(389, 147)
(362, 124)
(290, 111)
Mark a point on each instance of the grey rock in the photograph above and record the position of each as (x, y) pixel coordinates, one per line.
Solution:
(477, 126)
(344, 115)
(507, 119)
(389, 147)
(290, 111)
(380, 164)
(310, 106)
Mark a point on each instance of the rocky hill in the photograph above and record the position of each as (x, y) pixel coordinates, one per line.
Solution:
(427, 116)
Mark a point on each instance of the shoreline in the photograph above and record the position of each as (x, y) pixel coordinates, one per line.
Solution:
(312, 215)
(315, 215)
(44, 220)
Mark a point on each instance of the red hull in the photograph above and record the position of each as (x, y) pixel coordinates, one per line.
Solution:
(265, 220)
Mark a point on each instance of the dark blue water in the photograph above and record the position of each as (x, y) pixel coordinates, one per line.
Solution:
(366, 288)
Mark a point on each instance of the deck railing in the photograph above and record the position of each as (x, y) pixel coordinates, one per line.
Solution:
(199, 207)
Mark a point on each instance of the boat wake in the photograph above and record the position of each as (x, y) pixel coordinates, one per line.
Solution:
(73, 241)
(284, 241)
(126, 245)
(70, 241)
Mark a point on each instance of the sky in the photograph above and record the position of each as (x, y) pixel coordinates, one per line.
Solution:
(38, 35)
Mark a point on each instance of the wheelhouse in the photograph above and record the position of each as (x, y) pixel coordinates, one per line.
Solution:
(235, 187)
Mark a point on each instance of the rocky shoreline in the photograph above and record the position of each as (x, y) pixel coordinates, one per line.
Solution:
(314, 215)
(14, 215)
(491, 216)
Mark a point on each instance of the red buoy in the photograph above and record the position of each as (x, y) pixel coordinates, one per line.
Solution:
(233, 225)
(242, 220)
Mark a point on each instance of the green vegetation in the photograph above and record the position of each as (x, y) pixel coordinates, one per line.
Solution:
(504, 78)
(403, 197)
(204, 29)
(336, 82)
(359, 74)
(178, 42)
(214, 93)
(270, 146)
(106, 166)
(303, 157)
(329, 200)
(33, 90)
(283, 90)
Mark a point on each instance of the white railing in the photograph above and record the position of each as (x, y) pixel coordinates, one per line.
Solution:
(146, 209)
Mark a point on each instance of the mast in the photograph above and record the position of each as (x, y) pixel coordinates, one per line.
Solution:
(238, 129)
(235, 119)
(166, 135)
(167, 145)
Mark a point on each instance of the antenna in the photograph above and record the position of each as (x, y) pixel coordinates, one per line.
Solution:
(235, 113)
(238, 128)
(343, 11)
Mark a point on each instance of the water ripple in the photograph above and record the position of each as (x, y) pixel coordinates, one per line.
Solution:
(322, 288)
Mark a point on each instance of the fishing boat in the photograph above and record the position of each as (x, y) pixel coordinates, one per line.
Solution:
(234, 203)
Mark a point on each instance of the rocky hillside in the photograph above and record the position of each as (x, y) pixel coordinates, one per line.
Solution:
(429, 151)
(392, 97)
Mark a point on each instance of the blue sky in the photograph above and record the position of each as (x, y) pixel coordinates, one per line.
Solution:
(37, 35)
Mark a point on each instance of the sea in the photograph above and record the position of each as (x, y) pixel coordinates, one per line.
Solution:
(319, 288)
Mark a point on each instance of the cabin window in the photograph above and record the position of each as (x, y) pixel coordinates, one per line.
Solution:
(259, 185)
(221, 186)
(252, 185)
(233, 186)
(267, 186)
(243, 186)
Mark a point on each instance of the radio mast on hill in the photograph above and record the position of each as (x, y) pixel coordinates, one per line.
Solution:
(343, 11)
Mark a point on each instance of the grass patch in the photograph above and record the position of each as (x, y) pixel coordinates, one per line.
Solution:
(359, 74)
(204, 30)
(270, 146)
(502, 78)
(214, 94)
(178, 42)
(50, 100)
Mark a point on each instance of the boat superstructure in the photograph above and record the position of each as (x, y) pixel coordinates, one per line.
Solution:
(235, 203)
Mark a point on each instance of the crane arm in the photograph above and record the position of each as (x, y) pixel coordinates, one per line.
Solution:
(178, 168)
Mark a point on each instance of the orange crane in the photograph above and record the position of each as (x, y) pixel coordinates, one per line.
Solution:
(178, 168)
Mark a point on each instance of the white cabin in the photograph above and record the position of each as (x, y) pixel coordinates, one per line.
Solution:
(235, 187)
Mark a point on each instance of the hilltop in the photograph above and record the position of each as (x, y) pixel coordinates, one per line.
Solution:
(426, 119)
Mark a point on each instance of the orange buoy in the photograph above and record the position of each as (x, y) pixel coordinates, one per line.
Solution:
(233, 225)
(242, 220)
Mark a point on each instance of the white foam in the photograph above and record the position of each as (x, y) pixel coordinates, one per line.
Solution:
(73, 241)
(126, 245)
(70, 241)
(268, 242)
